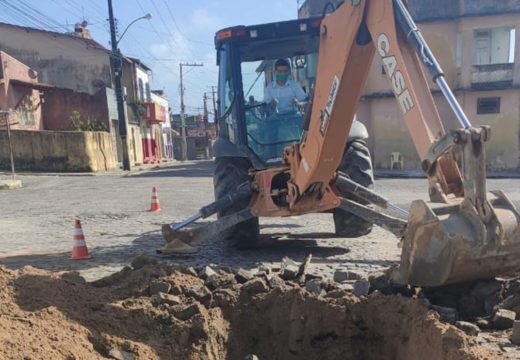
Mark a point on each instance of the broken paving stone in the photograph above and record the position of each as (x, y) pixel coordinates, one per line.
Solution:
(243, 276)
(255, 286)
(509, 302)
(515, 336)
(223, 297)
(361, 288)
(187, 312)
(447, 314)
(264, 269)
(275, 281)
(176, 290)
(504, 319)
(142, 260)
(119, 354)
(483, 289)
(201, 294)
(468, 328)
(304, 267)
(315, 286)
(217, 281)
(159, 286)
(227, 270)
(163, 298)
(347, 275)
(290, 269)
(206, 272)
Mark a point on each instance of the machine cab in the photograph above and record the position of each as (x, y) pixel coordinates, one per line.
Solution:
(249, 126)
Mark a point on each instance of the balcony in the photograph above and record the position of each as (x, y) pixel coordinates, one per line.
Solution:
(491, 76)
(154, 113)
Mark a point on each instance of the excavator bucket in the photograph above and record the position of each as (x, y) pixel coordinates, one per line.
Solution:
(463, 238)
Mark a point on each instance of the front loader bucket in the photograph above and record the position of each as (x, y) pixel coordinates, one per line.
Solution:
(449, 243)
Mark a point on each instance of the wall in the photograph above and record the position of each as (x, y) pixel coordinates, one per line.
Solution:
(62, 60)
(60, 103)
(59, 151)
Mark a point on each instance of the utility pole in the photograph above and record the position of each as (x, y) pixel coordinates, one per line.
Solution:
(215, 115)
(184, 143)
(117, 66)
(205, 111)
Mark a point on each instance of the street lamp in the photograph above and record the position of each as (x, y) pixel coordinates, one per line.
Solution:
(147, 17)
(117, 66)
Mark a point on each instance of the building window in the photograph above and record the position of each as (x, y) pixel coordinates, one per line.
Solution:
(141, 89)
(148, 92)
(488, 105)
(494, 46)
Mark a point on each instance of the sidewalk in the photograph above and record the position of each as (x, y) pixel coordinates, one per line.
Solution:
(4, 175)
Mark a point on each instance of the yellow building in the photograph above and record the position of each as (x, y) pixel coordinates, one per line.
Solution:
(475, 44)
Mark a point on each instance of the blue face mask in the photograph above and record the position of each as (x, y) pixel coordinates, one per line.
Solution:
(282, 77)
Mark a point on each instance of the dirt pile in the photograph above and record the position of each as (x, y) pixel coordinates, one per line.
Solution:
(158, 311)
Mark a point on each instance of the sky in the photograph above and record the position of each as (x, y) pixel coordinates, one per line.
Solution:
(179, 31)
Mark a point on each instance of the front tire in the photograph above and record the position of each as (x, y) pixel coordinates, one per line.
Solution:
(229, 174)
(357, 164)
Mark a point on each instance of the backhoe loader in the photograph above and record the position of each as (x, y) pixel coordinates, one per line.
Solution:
(315, 159)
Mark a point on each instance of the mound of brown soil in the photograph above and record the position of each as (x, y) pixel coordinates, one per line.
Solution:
(166, 312)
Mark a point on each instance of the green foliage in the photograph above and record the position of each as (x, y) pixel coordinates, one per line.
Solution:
(89, 125)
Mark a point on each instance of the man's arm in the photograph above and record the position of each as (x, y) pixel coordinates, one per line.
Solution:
(300, 94)
(268, 97)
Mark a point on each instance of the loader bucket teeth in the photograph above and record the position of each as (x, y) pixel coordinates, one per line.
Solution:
(445, 244)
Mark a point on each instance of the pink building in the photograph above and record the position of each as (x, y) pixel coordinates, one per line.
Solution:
(21, 92)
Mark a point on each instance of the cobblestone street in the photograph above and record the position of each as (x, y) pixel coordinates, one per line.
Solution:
(37, 223)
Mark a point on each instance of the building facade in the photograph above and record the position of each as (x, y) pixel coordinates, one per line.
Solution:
(476, 44)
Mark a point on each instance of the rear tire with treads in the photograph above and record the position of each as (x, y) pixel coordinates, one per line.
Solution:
(357, 164)
(229, 173)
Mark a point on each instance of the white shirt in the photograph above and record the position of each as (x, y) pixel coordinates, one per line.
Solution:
(285, 95)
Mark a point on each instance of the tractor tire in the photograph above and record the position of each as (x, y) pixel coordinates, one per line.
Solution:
(357, 164)
(229, 173)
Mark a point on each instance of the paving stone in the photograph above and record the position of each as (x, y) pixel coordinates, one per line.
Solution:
(187, 312)
(163, 298)
(217, 281)
(201, 294)
(515, 336)
(361, 288)
(484, 324)
(289, 269)
(255, 286)
(265, 269)
(340, 275)
(468, 328)
(304, 267)
(504, 319)
(142, 260)
(206, 272)
(447, 314)
(315, 286)
(275, 281)
(159, 286)
(243, 275)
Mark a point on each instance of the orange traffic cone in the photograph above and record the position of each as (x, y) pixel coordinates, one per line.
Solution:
(79, 250)
(155, 201)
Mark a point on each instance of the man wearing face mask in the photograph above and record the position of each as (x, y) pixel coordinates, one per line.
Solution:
(283, 93)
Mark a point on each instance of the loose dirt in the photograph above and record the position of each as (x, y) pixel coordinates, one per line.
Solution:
(161, 311)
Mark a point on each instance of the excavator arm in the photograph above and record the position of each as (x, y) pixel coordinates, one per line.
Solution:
(464, 233)
(350, 38)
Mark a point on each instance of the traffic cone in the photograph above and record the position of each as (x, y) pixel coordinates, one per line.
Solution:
(79, 250)
(156, 206)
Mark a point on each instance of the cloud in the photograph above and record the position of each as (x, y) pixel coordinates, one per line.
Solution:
(202, 19)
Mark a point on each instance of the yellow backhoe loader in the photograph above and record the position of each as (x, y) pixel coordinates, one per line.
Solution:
(314, 159)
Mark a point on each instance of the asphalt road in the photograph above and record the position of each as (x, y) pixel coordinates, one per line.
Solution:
(36, 223)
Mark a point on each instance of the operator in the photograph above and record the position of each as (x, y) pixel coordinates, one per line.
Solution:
(283, 94)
